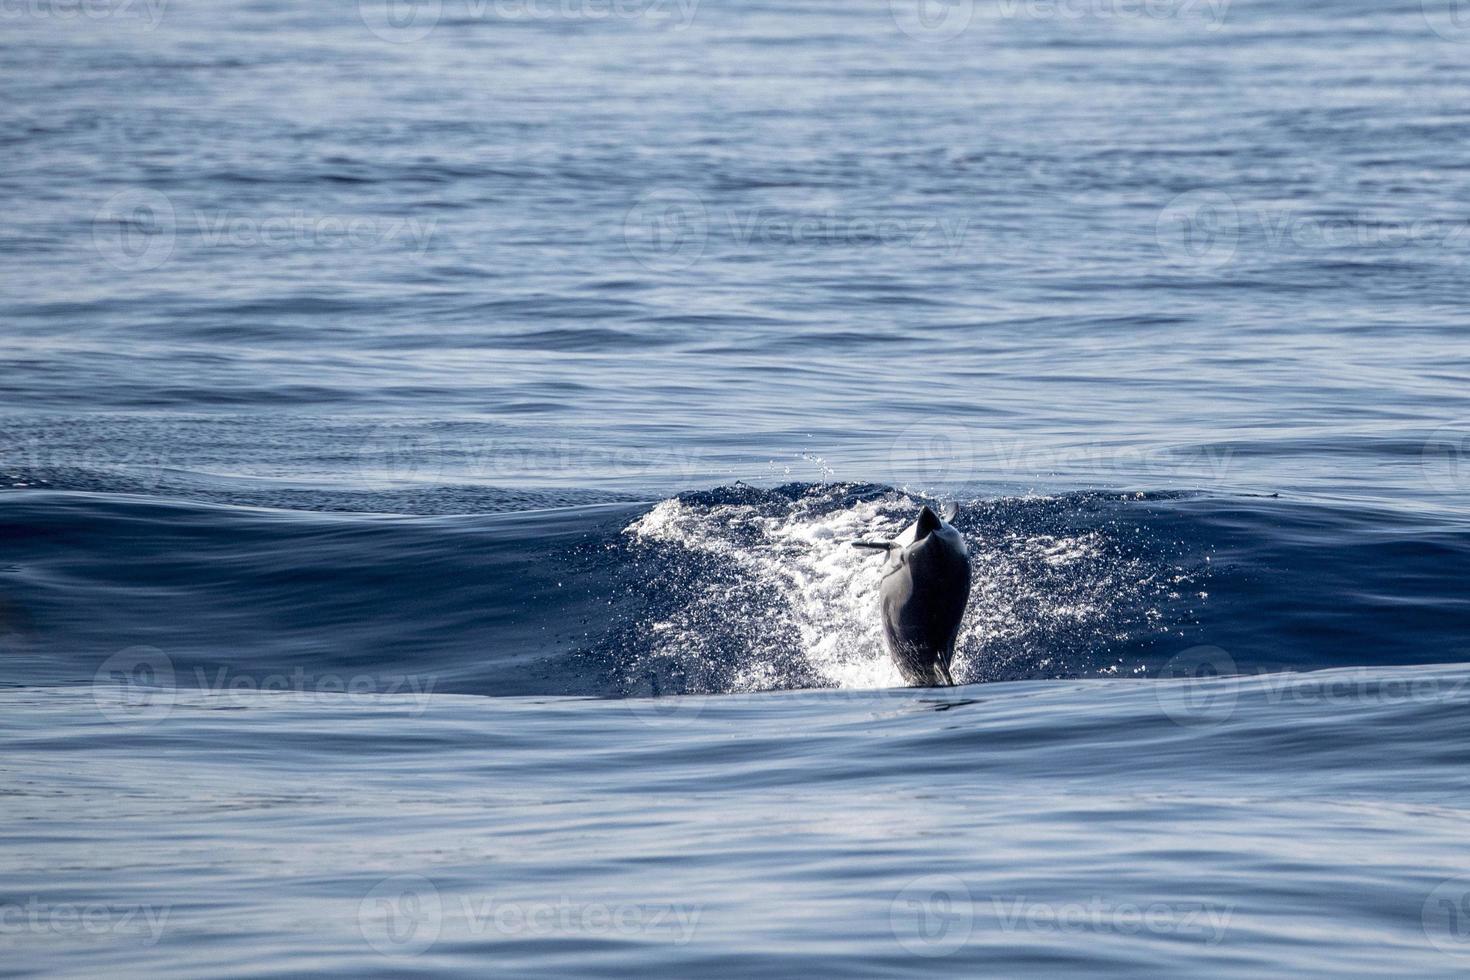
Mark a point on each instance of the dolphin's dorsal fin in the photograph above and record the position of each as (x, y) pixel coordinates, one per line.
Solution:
(928, 521)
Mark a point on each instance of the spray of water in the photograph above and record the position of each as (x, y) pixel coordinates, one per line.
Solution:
(740, 589)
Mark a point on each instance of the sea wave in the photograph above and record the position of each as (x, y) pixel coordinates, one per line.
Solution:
(727, 590)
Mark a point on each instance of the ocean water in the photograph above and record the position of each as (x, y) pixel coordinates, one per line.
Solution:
(431, 430)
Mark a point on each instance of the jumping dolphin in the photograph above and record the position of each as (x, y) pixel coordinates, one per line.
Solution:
(926, 585)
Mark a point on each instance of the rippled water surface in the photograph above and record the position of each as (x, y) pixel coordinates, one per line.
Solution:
(431, 433)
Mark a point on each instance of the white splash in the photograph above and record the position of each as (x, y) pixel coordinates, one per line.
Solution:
(777, 598)
(829, 589)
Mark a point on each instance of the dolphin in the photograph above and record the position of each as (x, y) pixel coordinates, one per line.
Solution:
(926, 584)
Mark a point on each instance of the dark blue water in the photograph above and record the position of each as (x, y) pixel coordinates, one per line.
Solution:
(430, 432)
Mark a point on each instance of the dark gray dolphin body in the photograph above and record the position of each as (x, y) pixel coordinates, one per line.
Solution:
(926, 584)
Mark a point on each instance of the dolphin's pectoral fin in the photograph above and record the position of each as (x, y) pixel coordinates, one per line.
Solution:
(873, 545)
(949, 511)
